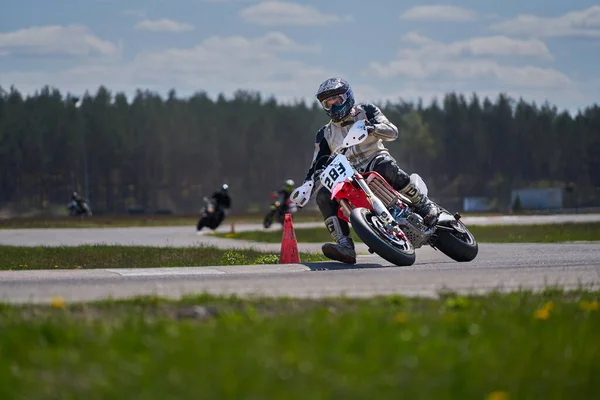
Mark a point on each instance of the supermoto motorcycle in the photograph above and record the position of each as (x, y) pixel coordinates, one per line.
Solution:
(79, 209)
(383, 218)
(277, 210)
(211, 216)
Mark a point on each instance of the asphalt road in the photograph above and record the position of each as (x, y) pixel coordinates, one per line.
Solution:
(498, 266)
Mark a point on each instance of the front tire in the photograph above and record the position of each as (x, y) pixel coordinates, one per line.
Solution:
(364, 224)
(268, 220)
(201, 224)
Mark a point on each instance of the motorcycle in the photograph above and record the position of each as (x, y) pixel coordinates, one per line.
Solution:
(211, 216)
(278, 210)
(77, 209)
(382, 217)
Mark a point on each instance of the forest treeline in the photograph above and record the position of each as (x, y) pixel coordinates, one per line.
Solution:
(168, 152)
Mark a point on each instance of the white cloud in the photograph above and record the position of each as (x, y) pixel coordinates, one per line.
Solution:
(471, 60)
(571, 99)
(481, 46)
(163, 25)
(280, 13)
(438, 13)
(415, 38)
(217, 64)
(576, 23)
(234, 59)
(275, 64)
(55, 40)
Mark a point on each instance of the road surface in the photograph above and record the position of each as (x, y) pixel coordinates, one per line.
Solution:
(498, 266)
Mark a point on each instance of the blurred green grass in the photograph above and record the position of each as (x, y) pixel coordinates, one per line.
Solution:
(518, 346)
(98, 256)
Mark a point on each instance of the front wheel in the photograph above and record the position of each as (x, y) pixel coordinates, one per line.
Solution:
(459, 244)
(371, 231)
(201, 223)
(268, 220)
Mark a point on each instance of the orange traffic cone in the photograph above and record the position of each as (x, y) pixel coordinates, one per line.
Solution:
(289, 245)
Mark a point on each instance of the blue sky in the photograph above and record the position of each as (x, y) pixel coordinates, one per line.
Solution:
(540, 49)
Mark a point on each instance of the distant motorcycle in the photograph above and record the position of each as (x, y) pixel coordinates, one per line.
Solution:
(277, 210)
(77, 209)
(211, 216)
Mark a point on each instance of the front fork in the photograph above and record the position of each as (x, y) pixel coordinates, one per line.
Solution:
(382, 212)
(377, 204)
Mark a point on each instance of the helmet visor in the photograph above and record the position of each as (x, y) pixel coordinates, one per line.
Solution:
(333, 100)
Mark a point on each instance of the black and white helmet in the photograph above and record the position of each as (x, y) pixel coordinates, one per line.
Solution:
(336, 97)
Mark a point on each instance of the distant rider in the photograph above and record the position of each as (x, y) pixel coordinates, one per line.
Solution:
(337, 99)
(78, 204)
(283, 195)
(222, 201)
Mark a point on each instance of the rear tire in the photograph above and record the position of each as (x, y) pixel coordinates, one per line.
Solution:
(361, 220)
(461, 247)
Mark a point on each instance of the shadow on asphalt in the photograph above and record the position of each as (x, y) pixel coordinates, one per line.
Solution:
(333, 266)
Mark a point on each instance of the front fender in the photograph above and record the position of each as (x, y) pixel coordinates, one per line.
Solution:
(355, 196)
(338, 187)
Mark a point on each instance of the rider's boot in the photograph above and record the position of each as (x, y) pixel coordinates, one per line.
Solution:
(343, 248)
(423, 206)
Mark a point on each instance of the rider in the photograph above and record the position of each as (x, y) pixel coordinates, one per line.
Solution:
(284, 194)
(337, 99)
(78, 200)
(222, 200)
(78, 204)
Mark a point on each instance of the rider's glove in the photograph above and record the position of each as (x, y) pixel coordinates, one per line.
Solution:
(369, 126)
(317, 174)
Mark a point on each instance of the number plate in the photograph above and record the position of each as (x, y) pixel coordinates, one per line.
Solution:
(336, 172)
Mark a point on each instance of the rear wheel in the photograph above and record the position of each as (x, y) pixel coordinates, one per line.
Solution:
(459, 244)
(371, 231)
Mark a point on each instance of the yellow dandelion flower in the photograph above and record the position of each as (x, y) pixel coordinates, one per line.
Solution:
(400, 318)
(542, 314)
(497, 396)
(57, 302)
(589, 305)
(549, 306)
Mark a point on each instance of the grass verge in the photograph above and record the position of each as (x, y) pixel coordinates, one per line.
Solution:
(499, 346)
(83, 257)
(121, 221)
(547, 233)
